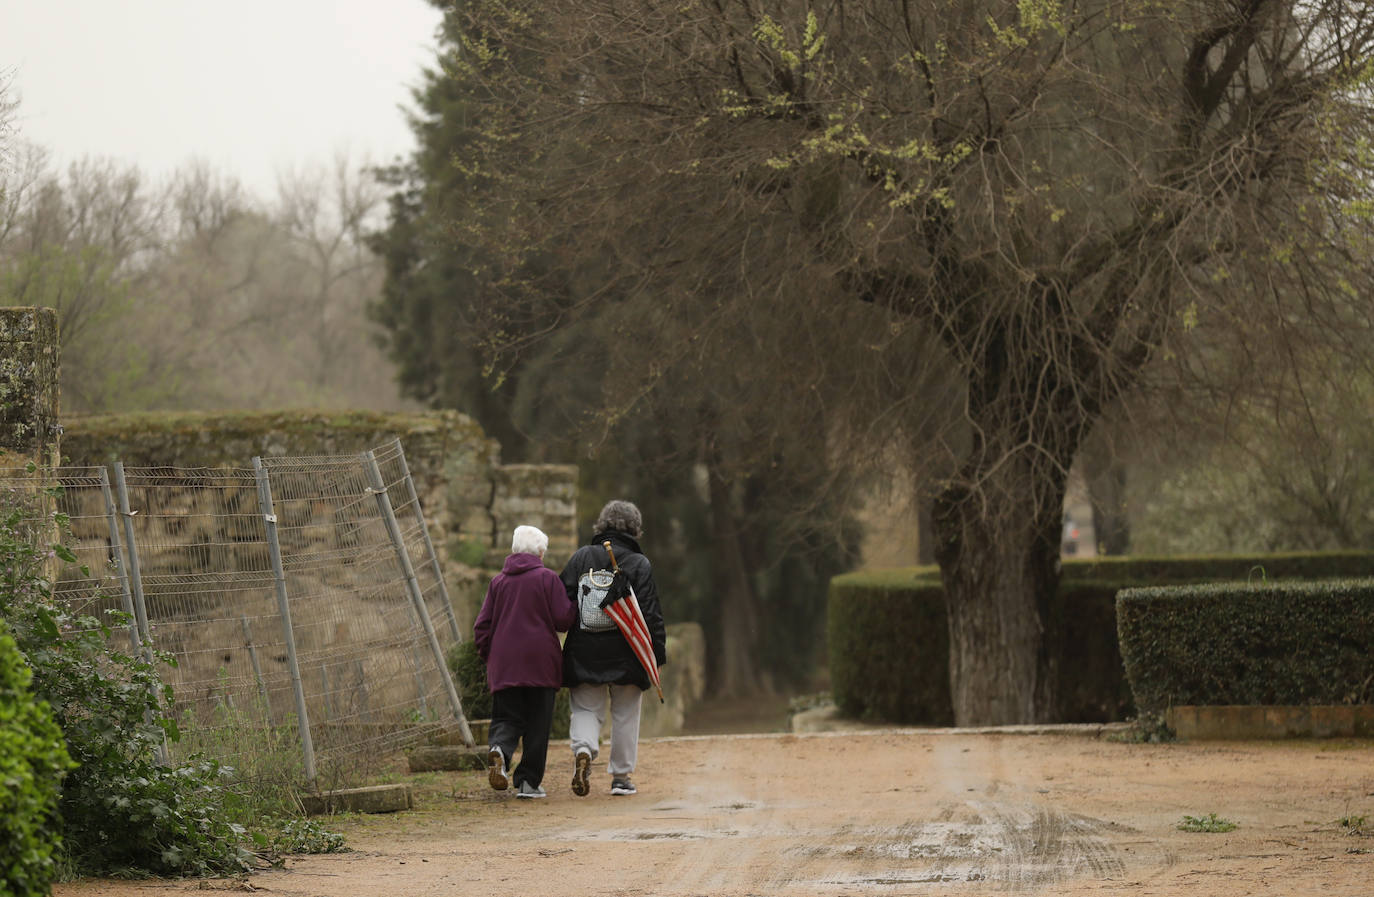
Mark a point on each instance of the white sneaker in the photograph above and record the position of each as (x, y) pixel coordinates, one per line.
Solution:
(622, 785)
(496, 769)
(530, 792)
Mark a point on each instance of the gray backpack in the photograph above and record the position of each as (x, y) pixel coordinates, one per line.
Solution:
(591, 591)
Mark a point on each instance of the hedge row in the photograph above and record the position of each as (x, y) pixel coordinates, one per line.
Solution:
(1219, 568)
(888, 639)
(1238, 643)
(888, 644)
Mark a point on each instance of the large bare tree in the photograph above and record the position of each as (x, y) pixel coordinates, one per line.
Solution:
(1043, 205)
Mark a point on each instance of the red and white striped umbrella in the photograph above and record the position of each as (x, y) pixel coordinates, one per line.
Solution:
(629, 619)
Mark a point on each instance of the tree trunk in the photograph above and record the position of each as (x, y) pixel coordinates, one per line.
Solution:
(925, 531)
(998, 551)
(734, 667)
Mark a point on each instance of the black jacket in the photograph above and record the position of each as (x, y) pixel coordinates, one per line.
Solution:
(605, 657)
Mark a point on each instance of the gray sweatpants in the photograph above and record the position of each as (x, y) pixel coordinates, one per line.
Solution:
(589, 715)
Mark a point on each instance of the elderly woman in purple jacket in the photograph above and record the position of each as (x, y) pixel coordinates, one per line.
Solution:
(516, 634)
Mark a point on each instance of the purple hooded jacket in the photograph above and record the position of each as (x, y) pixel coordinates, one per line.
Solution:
(517, 629)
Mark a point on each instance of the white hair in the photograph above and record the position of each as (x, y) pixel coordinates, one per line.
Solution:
(529, 540)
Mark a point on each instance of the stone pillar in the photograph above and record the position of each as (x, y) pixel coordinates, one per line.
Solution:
(542, 495)
(28, 387)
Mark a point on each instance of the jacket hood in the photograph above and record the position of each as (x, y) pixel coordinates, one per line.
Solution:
(616, 537)
(520, 563)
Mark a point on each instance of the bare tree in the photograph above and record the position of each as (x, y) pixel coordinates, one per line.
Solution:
(1044, 206)
(327, 214)
(194, 294)
(79, 242)
(9, 107)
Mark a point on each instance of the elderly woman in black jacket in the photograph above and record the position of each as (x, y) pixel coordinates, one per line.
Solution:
(598, 661)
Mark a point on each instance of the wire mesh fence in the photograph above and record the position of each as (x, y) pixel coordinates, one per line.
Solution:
(301, 599)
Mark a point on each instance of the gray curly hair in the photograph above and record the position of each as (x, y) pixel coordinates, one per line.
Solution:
(621, 516)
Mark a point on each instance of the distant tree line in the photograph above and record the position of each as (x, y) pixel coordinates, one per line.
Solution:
(193, 293)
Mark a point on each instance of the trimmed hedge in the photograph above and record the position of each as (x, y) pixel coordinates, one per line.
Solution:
(1219, 568)
(33, 759)
(1237, 643)
(889, 649)
(888, 638)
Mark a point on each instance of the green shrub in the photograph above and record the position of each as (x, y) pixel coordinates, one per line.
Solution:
(1238, 643)
(1209, 823)
(306, 836)
(888, 637)
(33, 759)
(268, 773)
(470, 678)
(889, 649)
(121, 809)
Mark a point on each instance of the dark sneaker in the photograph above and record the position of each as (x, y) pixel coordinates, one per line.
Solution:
(582, 768)
(530, 792)
(622, 785)
(496, 769)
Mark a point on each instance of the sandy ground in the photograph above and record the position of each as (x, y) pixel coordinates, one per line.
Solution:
(883, 813)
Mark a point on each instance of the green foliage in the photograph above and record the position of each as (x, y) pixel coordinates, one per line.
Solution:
(307, 836)
(888, 636)
(33, 759)
(121, 809)
(1238, 643)
(470, 552)
(470, 678)
(268, 770)
(1209, 823)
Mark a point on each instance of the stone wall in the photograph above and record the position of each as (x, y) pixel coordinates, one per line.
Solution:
(683, 679)
(542, 495)
(28, 386)
(471, 501)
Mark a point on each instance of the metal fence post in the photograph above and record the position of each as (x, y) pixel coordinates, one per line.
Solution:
(257, 669)
(136, 581)
(284, 606)
(429, 546)
(131, 549)
(117, 557)
(378, 488)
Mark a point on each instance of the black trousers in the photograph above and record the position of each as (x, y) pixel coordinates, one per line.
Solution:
(525, 711)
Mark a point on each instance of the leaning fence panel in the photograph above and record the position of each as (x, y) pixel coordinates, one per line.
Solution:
(191, 544)
(373, 679)
(405, 502)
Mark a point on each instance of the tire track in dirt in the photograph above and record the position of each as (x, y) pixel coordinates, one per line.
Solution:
(969, 827)
(980, 830)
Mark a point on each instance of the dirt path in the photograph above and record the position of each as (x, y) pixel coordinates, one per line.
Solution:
(884, 813)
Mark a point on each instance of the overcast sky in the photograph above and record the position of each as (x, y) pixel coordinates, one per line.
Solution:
(253, 87)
